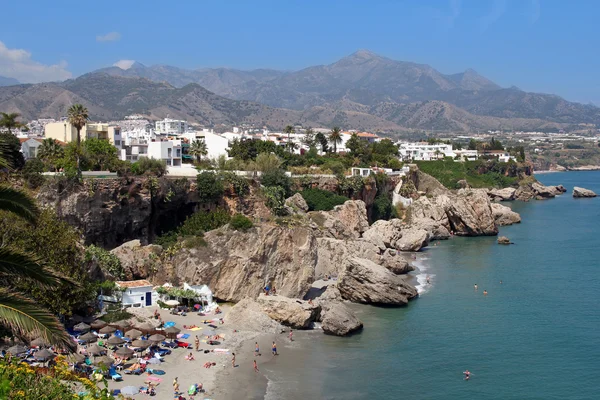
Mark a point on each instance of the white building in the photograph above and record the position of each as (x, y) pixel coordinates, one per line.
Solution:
(30, 147)
(216, 144)
(137, 293)
(170, 127)
(468, 155)
(423, 151)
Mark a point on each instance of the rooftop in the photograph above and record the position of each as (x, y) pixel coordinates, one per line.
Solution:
(133, 284)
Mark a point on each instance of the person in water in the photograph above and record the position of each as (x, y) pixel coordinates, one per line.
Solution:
(428, 280)
(485, 292)
(291, 336)
(501, 281)
(255, 366)
(467, 375)
(475, 286)
(256, 349)
(274, 349)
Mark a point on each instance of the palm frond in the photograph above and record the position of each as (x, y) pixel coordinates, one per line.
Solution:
(16, 264)
(18, 203)
(26, 319)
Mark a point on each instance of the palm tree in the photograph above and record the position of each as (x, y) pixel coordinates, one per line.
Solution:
(78, 117)
(335, 137)
(50, 151)
(289, 130)
(23, 316)
(198, 149)
(9, 121)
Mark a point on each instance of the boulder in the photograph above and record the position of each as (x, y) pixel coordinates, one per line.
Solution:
(504, 215)
(413, 239)
(435, 229)
(247, 315)
(294, 313)
(505, 194)
(384, 233)
(363, 281)
(581, 192)
(395, 262)
(504, 240)
(463, 184)
(542, 192)
(337, 319)
(346, 221)
(560, 189)
(137, 261)
(296, 204)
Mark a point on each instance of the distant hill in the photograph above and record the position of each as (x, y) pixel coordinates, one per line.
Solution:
(4, 81)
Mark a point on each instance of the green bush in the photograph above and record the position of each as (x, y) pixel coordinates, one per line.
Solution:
(277, 178)
(240, 222)
(239, 184)
(383, 208)
(322, 200)
(275, 199)
(209, 186)
(479, 174)
(194, 242)
(106, 260)
(194, 225)
(149, 166)
(32, 173)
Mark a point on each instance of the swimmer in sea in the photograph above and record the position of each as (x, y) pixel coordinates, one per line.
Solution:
(428, 279)
(467, 375)
(501, 282)
(485, 292)
(475, 286)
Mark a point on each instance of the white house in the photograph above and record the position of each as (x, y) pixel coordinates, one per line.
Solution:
(166, 150)
(137, 293)
(423, 151)
(30, 147)
(216, 145)
(171, 127)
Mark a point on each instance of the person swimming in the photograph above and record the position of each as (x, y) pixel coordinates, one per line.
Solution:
(485, 292)
(467, 375)
(475, 286)
(428, 282)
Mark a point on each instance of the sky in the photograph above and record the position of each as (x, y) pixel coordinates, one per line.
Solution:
(548, 46)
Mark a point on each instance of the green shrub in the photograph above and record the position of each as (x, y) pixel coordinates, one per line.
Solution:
(106, 260)
(275, 199)
(383, 208)
(32, 173)
(240, 222)
(194, 242)
(322, 200)
(148, 166)
(239, 184)
(277, 178)
(195, 225)
(209, 186)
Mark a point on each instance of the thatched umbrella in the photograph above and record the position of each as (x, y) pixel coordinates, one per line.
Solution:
(172, 331)
(122, 325)
(156, 338)
(146, 327)
(143, 344)
(76, 358)
(43, 355)
(81, 327)
(133, 334)
(88, 337)
(95, 350)
(124, 352)
(115, 341)
(98, 324)
(107, 330)
(17, 349)
(38, 343)
(104, 360)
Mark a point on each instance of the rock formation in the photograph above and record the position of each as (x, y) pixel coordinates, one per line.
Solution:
(363, 281)
(294, 313)
(296, 204)
(413, 239)
(337, 319)
(505, 194)
(138, 261)
(247, 315)
(536, 190)
(581, 192)
(503, 240)
(504, 215)
(346, 221)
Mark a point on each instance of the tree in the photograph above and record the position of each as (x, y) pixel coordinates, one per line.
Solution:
(309, 138)
(99, 154)
(9, 121)
(266, 162)
(335, 137)
(472, 144)
(354, 144)
(322, 140)
(277, 178)
(289, 130)
(198, 149)
(78, 117)
(210, 187)
(149, 166)
(50, 152)
(11, 150)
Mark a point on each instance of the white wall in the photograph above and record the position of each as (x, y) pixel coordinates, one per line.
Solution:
(133, 296)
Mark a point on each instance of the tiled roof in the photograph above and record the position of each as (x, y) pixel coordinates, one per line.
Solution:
(133, 284)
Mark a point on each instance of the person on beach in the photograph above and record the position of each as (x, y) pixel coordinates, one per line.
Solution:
(197, 343)
(428, 282)
(233, 360)
(467, 375)
(485, 292)
(175, 386)
(291, 336)
(256, 349)
(274, 349)
(255, 366)
(475, 286)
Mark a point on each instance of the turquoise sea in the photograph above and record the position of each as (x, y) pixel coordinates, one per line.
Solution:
(535, 336)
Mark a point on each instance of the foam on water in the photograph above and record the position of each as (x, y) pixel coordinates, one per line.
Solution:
(422, 267)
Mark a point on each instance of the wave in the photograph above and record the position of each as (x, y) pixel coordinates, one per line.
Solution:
(422, 268)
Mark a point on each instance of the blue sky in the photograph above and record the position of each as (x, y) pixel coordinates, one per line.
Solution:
(538, 45)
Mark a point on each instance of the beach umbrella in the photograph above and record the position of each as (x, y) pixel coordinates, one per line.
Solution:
(104, 360)
(43, 355)
(17, 349)
(95, 350)
(172, 331)
(121, 324)
(81, 327)
(88, 337)
(172, 303)
(133, 334)
(76, 358)
(141, 343)
(38, 343)
(107, 330)
(146, 327)
(124, 352)
(98, 324)
(130, 390)
(115, 341)
(156, 338)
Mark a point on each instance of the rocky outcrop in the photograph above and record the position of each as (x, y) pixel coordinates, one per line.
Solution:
(536, 190)
(296, 204)
(425, 183)
(413, 239)
(138, 261)
(294, 313)
(247, 315)
(504, 215)
(237, 264)
(560, 189)
(337, 319)
(506, 194)
(346, 221)
(504, 240)
(384, 233)
(581, 192)
(363, 281)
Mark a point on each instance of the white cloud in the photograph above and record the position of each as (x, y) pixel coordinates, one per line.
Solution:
(18, 64)
(124, 64)
(109, 37)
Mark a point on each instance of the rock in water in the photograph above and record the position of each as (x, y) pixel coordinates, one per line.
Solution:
(581, 192)
(247, 315)
(503, 240)
(363, 281)
(504, 215)
(337, 319)
(505, 194)
(289, 312)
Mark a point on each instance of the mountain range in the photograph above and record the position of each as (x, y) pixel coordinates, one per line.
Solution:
(361, 91)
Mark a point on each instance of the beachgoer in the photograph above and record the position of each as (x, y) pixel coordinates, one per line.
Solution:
(218, 311)
(274, 349)
(310, 302)
(291, 336)
(255, 366)
(256, 349)
(428, 279)
(485, 292)
(233, 360)
(190, 357)
(467, 375)
(475, 286)
(197, 343)
(501, 281)
(273, 291)
(175, 386)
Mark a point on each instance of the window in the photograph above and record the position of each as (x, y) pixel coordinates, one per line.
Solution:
(117, 142)
(142, 298)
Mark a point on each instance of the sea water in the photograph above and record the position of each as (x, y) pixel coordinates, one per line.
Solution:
(536, 335)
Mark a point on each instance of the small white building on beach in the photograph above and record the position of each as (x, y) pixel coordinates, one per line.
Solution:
(137, 293)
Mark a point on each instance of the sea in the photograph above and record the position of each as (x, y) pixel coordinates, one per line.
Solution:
(536, 335)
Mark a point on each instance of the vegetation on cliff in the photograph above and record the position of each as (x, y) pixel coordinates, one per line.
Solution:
(322, 200)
